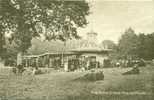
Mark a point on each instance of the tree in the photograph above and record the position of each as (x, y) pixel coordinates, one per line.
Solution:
(141, 46)
(2, 42)
(146, 47)
(108, 44)
(128, 44)
(55, 19)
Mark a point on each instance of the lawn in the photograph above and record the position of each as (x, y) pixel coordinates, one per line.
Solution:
(65, 86)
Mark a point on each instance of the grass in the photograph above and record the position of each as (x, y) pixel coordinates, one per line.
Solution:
(64, 86)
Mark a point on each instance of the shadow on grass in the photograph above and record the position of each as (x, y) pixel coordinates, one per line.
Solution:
(91, 77)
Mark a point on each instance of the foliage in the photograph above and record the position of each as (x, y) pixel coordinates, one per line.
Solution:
(55, 19)
(2, 42)
(107, 63)
(128, 44)
(136, 46)
(108, 44)
(146, 47)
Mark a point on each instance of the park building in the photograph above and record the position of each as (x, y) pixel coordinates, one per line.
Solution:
(86, 55)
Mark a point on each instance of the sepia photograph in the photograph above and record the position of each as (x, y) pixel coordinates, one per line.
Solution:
(76, 49)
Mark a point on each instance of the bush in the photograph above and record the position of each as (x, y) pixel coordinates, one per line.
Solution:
(9, 62)
(107, 63)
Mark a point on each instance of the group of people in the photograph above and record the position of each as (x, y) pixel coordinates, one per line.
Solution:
(134, 64)
(129, 63)
(19, 69)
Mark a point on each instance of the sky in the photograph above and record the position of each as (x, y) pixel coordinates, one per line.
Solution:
(110, 18)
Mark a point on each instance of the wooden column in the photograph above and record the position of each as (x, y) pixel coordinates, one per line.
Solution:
(66, 64)
(50, 62)
(19, 58)
(37, 64)
(26, 62)
(44, 61)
